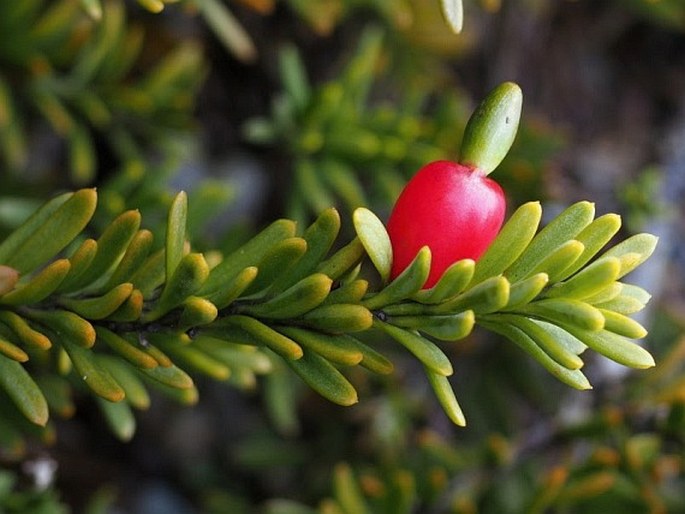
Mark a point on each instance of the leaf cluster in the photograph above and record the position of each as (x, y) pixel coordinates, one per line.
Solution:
(492, 477)
(623, 454)
(81, 78)
(349, 150)
(116, 315)
(344, 149)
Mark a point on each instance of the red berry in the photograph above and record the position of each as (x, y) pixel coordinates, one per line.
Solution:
(455, 210)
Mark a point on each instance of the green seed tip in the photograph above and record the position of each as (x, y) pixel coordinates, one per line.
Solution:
(492, 128)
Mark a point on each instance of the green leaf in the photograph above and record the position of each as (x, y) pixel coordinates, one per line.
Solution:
(50, 234)
(66, 324)
(80, 261)
(13, 139)
(342, 178)
(187, 396)
(279, 260)
(492, 128)
(570, 342)
(609, 292)
(119, 418)
(559, 260)
(280, 393)
(347, 491)
(319, 236)
(93, 8)
(92, 373)
(176, 233)
(350, 292)
(171, 376)
(236, 356)
(573, 378)
(594, 237)
(23, 331)
(311, 190)
(196, 312)
(228, 29)
(489, 296)
(324, 378)
(154, 6)
(233, 288)
(340, 349)
(282, 345)
(426, 351)
(636, 292)
(373, 360)
(374, 237)
(299, 299)
(9, 349)
(640, 245)
(525, 291)
(111, 245)
(568, 312)
(622, 325)
(452, 282)
(339, 318)
(614, 347)
(357, 78)
(549, 342)
(58, 393)
(136, 253)
(343, 260)
(162, 359)
(191, 357)
(622, 304)
(53, 110)
(42, 285)
(130, 310)
(99, 307)
(513, 239)
(589, 281)
(445, 395)
(187, 280)
(125, 349)
(294, 78)
(564, 227)
(18, 237)
(447, 327)
(249, 254)
(407, 284)
(101, 47)
(23, 391)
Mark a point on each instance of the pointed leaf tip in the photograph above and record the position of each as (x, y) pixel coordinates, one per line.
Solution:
(453, 12)
(375, 239)
(446, 397)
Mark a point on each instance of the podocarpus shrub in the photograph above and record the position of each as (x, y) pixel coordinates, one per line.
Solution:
(114, 311)
(91, 306)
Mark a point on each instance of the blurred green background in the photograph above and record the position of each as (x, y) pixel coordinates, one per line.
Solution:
(270, 108)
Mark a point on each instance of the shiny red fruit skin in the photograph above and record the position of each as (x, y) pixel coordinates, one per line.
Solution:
(453, 209)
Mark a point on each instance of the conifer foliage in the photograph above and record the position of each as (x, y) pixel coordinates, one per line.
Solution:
(115, 315)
